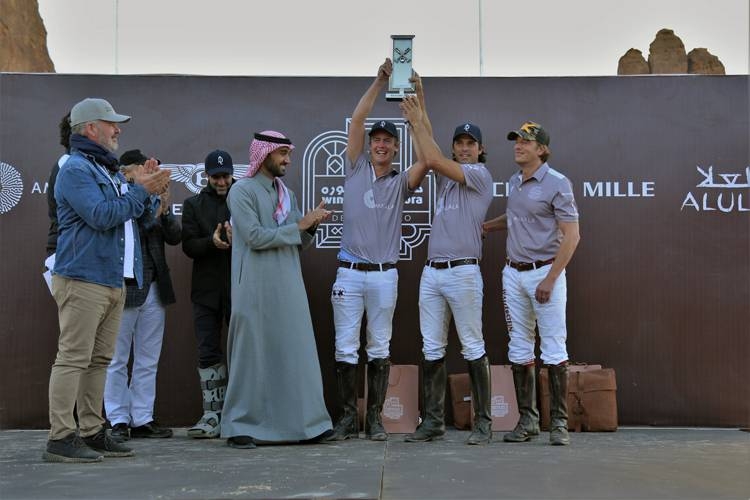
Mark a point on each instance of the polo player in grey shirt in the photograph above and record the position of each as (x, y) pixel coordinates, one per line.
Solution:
(451, 283)
(367, 279)
(542, 224)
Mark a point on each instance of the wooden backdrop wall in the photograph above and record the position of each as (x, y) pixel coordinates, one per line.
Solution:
(659, 288)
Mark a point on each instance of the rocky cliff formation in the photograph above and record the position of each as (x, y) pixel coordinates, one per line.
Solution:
(23, 39)
(667, 55)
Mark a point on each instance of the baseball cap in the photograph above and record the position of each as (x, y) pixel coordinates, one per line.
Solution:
(133, 157)
(468, 129)
(531, 132)
(386, 126)
(91, 109)
(218, 162)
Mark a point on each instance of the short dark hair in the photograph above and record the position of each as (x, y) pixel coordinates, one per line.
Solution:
(65, 131)
(482, 156)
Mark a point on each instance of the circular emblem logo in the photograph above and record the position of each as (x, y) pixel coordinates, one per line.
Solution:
(369, 199)
(11, 187)
(536, 193)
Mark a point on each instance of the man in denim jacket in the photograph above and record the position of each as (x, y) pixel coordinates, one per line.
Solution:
(97, 249)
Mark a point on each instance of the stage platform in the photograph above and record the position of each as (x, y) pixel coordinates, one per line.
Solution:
(632, 463)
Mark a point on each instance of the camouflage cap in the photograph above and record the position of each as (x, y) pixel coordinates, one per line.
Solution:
(531, 132)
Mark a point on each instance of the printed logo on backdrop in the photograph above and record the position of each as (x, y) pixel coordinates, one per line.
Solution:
(719, 192)
(11, 187)
(193, 175)
(593, 189)
(324, 176)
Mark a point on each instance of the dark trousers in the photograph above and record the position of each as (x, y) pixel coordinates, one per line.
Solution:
(208, 322)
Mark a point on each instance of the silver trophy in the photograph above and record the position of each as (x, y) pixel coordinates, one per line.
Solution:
(399, 84)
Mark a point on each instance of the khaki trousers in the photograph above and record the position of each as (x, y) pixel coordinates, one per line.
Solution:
(89, 316)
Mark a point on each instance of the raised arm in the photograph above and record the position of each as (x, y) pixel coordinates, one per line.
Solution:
(356, 139)
(417, 80)
(428, 149)
(418, 170)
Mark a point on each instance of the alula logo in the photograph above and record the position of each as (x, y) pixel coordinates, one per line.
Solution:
(719, 192)
(11, 187)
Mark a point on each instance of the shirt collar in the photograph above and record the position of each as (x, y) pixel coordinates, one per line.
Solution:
(538, 175)
(392, 172)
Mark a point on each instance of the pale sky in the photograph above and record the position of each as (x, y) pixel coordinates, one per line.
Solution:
(352, 37)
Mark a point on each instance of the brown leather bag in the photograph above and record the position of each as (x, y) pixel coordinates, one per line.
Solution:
(592, 399)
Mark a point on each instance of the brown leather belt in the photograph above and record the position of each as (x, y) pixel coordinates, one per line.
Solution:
(367, 266)
(528, 266)
(451, 263)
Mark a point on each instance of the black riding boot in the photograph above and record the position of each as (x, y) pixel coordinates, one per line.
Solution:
(481, 393)
(434, 378)
(346, 381)
(558, 390)
(524, 380)
(377, 385)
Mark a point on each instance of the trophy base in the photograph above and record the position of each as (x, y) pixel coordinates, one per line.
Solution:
(398, 96)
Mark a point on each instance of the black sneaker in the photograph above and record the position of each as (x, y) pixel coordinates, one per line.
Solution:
(70, 449)
(120, 432)
(150, 430)
(242, 442)
(103, 443)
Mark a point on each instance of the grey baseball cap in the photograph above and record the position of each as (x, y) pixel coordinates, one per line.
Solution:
(91, 109)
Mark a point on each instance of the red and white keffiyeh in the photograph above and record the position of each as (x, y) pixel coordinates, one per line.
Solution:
(264, 143)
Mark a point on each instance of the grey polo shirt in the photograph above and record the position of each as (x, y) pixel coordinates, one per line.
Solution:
(459, 212)
(534, 208)
(373, 208)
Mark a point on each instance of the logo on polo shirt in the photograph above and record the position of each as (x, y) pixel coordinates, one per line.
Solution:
(369, 199)
(535, 193)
